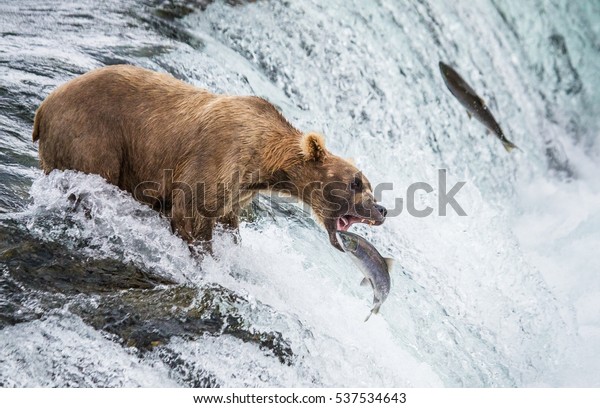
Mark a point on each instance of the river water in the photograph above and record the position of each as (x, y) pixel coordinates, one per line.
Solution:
(103, 294)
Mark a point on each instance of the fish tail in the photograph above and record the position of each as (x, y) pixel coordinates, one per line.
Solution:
(375, 310)
(508, 145)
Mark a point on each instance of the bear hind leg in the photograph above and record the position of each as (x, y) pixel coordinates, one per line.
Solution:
(101, 157)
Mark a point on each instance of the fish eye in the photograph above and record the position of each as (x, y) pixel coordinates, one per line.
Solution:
(356, 184)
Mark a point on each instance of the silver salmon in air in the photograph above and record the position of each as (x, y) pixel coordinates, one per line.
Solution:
(473, 103)
(375, 267)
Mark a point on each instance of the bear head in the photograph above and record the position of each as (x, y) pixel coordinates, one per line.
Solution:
(339, 194)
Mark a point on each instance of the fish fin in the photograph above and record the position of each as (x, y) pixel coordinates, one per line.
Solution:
(390, 263)
(375, 310)
(469, 115)
(364, 282)
(509, 146)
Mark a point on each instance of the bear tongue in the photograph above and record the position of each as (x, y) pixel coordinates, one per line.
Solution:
(343, 223)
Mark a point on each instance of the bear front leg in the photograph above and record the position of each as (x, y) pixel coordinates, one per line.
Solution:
(202, 235)
(231, 224)
(197, 231)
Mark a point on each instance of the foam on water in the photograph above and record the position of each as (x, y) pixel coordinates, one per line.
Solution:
(61, 351)
(558, 227)
(88, 214)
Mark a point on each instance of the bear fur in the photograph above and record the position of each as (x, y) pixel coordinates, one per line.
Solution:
(195, 156)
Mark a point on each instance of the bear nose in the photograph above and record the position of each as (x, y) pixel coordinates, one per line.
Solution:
(381, 210)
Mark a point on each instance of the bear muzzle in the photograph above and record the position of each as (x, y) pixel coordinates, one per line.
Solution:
(375, 215)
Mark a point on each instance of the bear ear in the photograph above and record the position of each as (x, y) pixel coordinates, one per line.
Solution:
(313, 147)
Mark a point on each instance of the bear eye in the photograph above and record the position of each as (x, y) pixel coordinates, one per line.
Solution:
(356, 184)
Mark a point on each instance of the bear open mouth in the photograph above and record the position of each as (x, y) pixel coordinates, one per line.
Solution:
(346, 221)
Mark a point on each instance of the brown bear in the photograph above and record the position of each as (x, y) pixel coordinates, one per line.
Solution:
(195, 156)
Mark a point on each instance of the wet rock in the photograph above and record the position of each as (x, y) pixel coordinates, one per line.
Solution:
(185, 371)
(15, 306)
(146, 319)
(143, 310)
(51, 267)
(225, 306)
(174, 9)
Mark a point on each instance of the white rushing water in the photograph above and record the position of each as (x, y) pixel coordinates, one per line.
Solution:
(508, 295)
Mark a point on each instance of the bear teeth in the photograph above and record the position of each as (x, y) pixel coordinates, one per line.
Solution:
(342, 223)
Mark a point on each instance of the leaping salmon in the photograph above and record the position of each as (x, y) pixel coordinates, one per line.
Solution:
(473, 103)
(374, 267)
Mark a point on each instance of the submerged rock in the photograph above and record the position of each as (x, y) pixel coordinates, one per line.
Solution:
(51, 267)
(146, 319)
(140, 309)
(173, 9)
